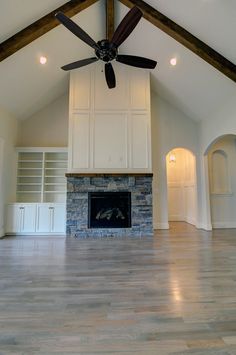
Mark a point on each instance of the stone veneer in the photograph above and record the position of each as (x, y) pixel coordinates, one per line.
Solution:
(78, 186)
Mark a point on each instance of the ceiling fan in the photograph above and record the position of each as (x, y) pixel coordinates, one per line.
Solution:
(106, 50)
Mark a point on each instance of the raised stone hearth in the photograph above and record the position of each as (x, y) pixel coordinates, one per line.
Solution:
(80, 185)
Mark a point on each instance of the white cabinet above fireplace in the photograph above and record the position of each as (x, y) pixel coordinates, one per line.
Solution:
(109, 129)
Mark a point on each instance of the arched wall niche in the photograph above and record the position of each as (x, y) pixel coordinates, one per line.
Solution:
(181, 184)
(219, 172)
(217, 139)
(221, 157)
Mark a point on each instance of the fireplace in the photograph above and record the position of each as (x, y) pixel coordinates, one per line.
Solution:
(109, 210)
(105, 205)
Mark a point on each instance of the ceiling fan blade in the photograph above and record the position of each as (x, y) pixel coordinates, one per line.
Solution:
(79, 63)
(135, 61)
(110, 76)
(76, 30)
(126, 26)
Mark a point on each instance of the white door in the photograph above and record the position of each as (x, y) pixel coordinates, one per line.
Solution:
(58, 219)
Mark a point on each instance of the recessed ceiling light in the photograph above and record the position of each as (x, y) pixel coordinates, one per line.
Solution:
(173, 61)
(43, 60)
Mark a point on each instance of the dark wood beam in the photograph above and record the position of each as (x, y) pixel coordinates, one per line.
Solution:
(184, 37)
(40, 27)
(109, 19)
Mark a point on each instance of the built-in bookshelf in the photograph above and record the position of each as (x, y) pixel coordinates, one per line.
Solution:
(29, 176)
(54, 187)
(41, 175)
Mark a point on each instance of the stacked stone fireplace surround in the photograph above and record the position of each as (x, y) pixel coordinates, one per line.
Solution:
(140, 187)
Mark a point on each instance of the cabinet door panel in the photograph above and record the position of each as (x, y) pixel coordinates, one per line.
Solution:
(110, 141)
(28, 218)
(58, 219)
(80, 141)
(43, 219)
(139, 89)
(105, 98)
(140, 141)
(80, 95)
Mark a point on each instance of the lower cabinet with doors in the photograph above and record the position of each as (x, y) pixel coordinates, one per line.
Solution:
(21, 218)
(50, 218)
(35, 218)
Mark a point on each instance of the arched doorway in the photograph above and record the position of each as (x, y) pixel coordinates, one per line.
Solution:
(181, 184)
(221, 156)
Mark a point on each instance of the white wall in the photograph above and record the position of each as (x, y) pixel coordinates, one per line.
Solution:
(8, 135)
(48, 127)
(170, 129)
(221, 123)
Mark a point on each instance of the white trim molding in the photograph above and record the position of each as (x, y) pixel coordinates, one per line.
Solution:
(225, 225)
(161, 226)
(2, 234)
(206, 227)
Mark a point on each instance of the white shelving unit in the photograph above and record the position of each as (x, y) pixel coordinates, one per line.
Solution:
(29, 177)
(40, 206)
(55, 166)
(41, 175)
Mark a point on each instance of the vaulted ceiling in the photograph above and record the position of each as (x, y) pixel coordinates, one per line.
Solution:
(193, 85)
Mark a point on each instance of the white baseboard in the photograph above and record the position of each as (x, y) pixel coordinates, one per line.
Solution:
(176, 218)
(32, 234)
(221, 225)
(161, 226)
(2, 233)
(182, 219)
(206, 227)
(191, 221)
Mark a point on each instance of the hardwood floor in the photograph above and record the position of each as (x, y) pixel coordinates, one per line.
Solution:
(171, 294)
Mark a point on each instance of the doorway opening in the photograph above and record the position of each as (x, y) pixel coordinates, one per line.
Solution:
(181, 184)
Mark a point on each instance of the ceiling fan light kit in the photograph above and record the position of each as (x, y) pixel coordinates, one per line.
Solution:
(106, 50)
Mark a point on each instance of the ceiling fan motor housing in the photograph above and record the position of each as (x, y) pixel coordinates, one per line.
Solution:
(107, 51)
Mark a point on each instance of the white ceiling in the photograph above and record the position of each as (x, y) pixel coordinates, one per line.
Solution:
(193, 86)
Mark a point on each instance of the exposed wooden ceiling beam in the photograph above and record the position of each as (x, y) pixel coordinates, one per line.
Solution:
(40, 27)
(109, 19)
(184, 37)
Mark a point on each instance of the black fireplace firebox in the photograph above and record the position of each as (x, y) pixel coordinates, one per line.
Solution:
(109, 210)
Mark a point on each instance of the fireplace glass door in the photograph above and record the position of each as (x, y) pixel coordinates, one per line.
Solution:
(109, 210)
